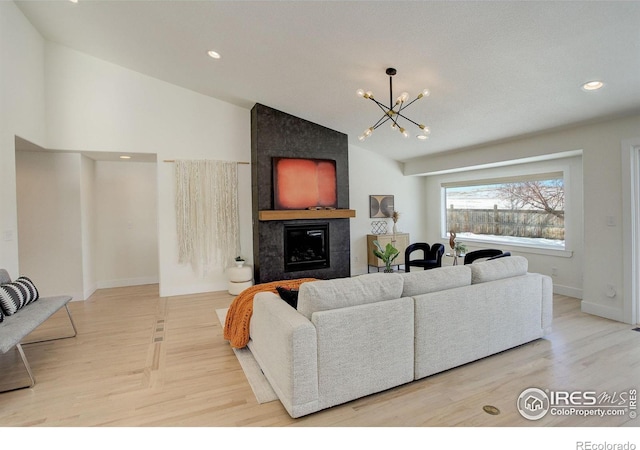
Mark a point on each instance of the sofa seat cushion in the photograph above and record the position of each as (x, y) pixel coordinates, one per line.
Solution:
(323, 295)
(434, 280)
(498, 269)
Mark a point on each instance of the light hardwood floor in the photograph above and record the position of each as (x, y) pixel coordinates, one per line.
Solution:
(141, 360)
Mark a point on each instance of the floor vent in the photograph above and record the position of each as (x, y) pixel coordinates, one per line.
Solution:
(159, 331)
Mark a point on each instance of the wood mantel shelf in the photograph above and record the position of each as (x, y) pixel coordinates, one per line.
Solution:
(292, 214)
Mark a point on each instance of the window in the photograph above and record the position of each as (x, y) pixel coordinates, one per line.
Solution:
(524, 210)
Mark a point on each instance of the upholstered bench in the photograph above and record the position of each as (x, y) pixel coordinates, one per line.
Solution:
(15, 327)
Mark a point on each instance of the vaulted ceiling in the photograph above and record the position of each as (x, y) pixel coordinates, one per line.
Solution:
(496, 70)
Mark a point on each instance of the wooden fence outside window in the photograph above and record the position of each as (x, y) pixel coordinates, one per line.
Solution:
(506, 222)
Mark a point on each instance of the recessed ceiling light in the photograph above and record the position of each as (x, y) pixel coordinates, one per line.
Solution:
(125, 157)
(422, 137)
(592, 85)
(214, 54)
(73, 1)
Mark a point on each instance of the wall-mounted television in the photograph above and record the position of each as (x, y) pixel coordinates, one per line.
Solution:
(301, 183)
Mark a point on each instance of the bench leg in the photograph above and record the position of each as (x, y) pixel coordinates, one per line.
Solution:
(73, 325)
(26, 365)
(24, 358)
(28, 369)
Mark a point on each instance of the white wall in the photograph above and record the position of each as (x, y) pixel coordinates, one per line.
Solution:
(84, 224)
(21, 114)
(568, 264)
(600, 143)
(88, 224)
(93, 105)
(125, 225)
(372, 174)
(49, 220)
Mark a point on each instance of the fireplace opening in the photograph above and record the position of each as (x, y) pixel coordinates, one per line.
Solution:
(306, 247)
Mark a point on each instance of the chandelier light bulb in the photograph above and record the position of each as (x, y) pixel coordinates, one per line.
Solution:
(360, 92)
(402, 98)
(425, 130)
(368, 94)
(361, 137)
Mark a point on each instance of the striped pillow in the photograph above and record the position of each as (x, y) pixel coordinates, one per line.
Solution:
(17, 295)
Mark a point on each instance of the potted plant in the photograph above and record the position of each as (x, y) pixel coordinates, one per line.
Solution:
(239, 261)
(460, 249)
(387, 255)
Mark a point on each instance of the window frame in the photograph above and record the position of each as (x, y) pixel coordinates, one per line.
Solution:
(523, 247)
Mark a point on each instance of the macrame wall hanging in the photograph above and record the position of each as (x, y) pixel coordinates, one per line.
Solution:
(207, 217)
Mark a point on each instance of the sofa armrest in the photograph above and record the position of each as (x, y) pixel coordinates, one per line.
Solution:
(284, 344)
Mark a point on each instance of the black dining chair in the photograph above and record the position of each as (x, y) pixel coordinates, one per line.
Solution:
(485, 253)
(431, 256)
(500, 256)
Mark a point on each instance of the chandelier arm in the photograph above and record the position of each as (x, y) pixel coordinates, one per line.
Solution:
(380, 105)
(403, 106)
(386, 112)
(405, 117)
(384, 119)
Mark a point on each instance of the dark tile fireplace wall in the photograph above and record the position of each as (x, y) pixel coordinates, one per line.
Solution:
(275, 133)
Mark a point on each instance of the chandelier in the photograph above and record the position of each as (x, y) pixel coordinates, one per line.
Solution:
(393, 112)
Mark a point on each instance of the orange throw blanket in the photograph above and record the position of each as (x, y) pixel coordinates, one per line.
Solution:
(236, 327)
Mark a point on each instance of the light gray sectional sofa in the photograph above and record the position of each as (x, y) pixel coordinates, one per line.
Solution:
(352, 337)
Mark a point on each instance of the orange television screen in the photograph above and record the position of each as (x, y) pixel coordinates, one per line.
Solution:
(303, 183)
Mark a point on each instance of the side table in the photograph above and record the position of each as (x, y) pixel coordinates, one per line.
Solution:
(240, 278)
(455, 257)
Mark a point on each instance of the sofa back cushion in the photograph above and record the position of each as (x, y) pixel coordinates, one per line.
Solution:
(323, 295)
(434, 280)
(497, 269)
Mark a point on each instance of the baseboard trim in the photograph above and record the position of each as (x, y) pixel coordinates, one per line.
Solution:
(198, 289)
(568, 291)
(89, 291)
(602, 311)
(123, 282)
